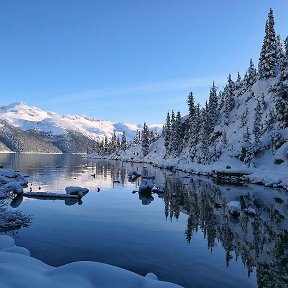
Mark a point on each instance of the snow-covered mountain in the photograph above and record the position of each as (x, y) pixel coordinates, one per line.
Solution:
(68, 133)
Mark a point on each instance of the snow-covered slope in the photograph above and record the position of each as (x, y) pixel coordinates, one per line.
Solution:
(28, 117)
(68, 133)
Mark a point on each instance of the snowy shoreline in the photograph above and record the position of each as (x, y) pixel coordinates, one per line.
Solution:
(273, 176)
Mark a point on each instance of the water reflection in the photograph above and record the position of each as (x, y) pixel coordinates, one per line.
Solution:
(259, 242)
(12, 221)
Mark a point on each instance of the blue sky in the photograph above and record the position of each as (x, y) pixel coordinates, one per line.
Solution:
(127, 60)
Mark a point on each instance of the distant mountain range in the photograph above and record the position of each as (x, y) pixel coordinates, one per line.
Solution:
(25, 128)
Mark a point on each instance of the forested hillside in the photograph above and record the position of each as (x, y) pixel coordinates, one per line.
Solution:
(243, 126)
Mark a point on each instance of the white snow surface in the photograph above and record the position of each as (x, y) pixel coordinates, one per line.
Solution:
(30, 272)
(28, 117)
(76, 190)
(11, 181)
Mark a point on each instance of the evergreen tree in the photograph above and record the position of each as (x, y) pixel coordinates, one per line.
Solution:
(191, 115)
(268, 55)
(195, 131)
(205, 133)
(263, 102)
(280, 53)
(238, 83)
(118, 143)
(137, 138)
(191, 106)
(247, 151)
(243, 118)
(106, 145)
(145, 140)
(224, 140)
(257, 128)
(271, 120)
(172, 129)
(281, 91)
(124, 141)
(229, 99)
(176, 135)
(167, 131)
(113, 143)
(252, 73)
(213, 106)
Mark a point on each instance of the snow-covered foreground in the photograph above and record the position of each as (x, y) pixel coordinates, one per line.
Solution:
(34, 273)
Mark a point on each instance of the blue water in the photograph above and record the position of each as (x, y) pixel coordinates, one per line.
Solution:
(184, 236)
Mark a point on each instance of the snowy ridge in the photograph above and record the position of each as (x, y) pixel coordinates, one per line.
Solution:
(76, 133)
(28, 117)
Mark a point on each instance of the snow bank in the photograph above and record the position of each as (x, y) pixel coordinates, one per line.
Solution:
(11, 181)
(34, 273)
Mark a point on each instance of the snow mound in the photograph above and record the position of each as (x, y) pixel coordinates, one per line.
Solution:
(78, 274)
(234, 208)
(75, 190)
(11, 181)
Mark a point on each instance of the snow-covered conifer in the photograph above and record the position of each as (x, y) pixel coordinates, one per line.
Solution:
(213, 105)
(252, 73)
(145, 140)
(191, 106)
(176, 135)
(167, 131)
(124, 141)
(280, 54)
(194, 132)
(270, 120)
(206, 129)
(247, 151)
(281, 91)
(243, 118)
(268, 55)
(229, 99)
(257, 127)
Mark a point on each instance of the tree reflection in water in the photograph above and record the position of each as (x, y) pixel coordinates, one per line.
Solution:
(260, 241)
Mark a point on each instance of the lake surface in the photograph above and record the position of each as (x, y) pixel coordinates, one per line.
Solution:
(184, 235)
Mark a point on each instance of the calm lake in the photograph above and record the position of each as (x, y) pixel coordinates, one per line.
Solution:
(184, 235)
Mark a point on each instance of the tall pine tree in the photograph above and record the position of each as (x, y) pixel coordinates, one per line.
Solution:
(213, 106)
(167, 131)
(229, 101)
(145, 140)
(257, 127)
(268, 55)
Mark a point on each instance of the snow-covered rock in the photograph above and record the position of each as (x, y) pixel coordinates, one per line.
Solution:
(250, 211)
(133, 175)
(75, 190)
(234, 208)
(11, 181)
(146, 184)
